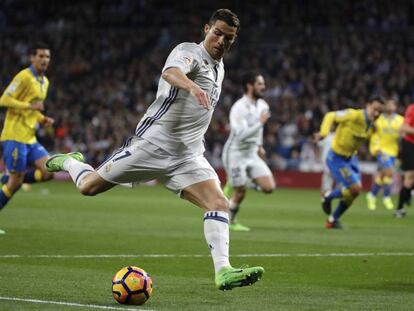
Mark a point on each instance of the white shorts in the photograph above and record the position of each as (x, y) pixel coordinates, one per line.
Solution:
(139, 160)
(239, 167)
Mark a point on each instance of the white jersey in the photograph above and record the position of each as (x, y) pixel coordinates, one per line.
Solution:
(175, 121)
(246, 132)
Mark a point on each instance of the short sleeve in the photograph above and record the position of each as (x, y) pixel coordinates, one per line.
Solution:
(409, 115)
(184, 57)
(16, 86)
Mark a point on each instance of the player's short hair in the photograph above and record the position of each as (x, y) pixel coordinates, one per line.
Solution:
(39, 45)
(376, 98)
(227, 16)
(249, 77)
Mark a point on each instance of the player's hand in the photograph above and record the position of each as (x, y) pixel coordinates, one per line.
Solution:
(317, 137)
(265, 116)
(261, 152)
(47, 121)
(201, 96)
(37, 106)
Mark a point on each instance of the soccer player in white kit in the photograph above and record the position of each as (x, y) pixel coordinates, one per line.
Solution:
(327, 182)
(243, 152)
(168, 143)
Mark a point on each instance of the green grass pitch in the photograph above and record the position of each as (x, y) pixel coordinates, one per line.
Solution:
(367, 266)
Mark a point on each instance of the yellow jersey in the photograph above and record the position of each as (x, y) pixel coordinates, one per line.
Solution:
(386, 136)
(353, 129)
(21, 122)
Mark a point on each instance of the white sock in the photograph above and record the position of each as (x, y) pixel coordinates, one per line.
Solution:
(234, 208)
(77, 170)
(216, 232)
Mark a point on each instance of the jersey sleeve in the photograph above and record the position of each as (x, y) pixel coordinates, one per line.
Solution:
(239, 125)
(12, 92)
(184, 57)
(333, 117)
(409, 116)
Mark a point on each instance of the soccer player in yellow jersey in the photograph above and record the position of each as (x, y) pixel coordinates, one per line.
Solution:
(384, 146)
(24, 99)
(353, 128)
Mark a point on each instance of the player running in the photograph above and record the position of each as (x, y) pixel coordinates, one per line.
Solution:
(384, 146)
(24, 99)
(353, 128)
(243, 152)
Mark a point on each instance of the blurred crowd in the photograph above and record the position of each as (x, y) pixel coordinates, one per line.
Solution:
(107, 57)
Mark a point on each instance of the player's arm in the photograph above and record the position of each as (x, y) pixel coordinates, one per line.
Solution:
(239, 126)
(177, 78)
(8, 98)
(406, 128)
(335, 117)
(181, 62)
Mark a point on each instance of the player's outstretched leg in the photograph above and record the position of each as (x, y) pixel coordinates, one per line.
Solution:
(228, 277)
(55, 162)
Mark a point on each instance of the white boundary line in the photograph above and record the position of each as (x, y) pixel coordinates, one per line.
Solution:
(71, 304)
(381, 254)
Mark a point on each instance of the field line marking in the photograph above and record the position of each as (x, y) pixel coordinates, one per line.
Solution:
(71, 304)
(97, 256)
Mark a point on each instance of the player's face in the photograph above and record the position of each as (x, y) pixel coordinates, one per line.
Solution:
(219, 37)
(259, 87)
(390, 106)
(40, 60)
(374, 110)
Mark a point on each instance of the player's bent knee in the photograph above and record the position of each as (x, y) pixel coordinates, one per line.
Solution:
(219, 204)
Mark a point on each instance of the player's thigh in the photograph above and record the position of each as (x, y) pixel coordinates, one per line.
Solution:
(236, 169)
(206, 195)
(135, 162)
(261, 174)
(14, 156)
(93, 184)
(344, 171)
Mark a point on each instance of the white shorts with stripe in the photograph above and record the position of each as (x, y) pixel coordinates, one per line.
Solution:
(239, 167)
(139, 160)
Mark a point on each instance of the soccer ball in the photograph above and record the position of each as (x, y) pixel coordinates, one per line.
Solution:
(132, 286)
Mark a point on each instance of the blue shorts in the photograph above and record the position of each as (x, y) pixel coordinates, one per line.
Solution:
(18, 155)
(345, 170)
(385, 161)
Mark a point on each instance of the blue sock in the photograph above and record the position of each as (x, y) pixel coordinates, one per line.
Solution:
(4, 179)
(5, 196)
(387, 190)
(376, 188)
(335, 194)
(30, 177)
(342, 207)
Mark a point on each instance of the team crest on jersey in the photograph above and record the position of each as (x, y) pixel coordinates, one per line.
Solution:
(188, 60)
(108, 167)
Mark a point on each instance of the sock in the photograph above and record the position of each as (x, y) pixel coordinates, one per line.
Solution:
(30, 177)
(405, 194)
(342, 207)
(5, 195)
(233, 209)
(327, 182)
(337, 193)
(387, 181)
(77, 170)
(216, 232)
(375, 189)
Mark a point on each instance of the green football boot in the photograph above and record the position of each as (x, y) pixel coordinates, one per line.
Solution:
(55, 162)
(2, 232)
(371, 201)
(389, 205)
(228, 277)
(235, 226)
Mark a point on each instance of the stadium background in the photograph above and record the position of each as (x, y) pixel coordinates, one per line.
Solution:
(107, 56)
